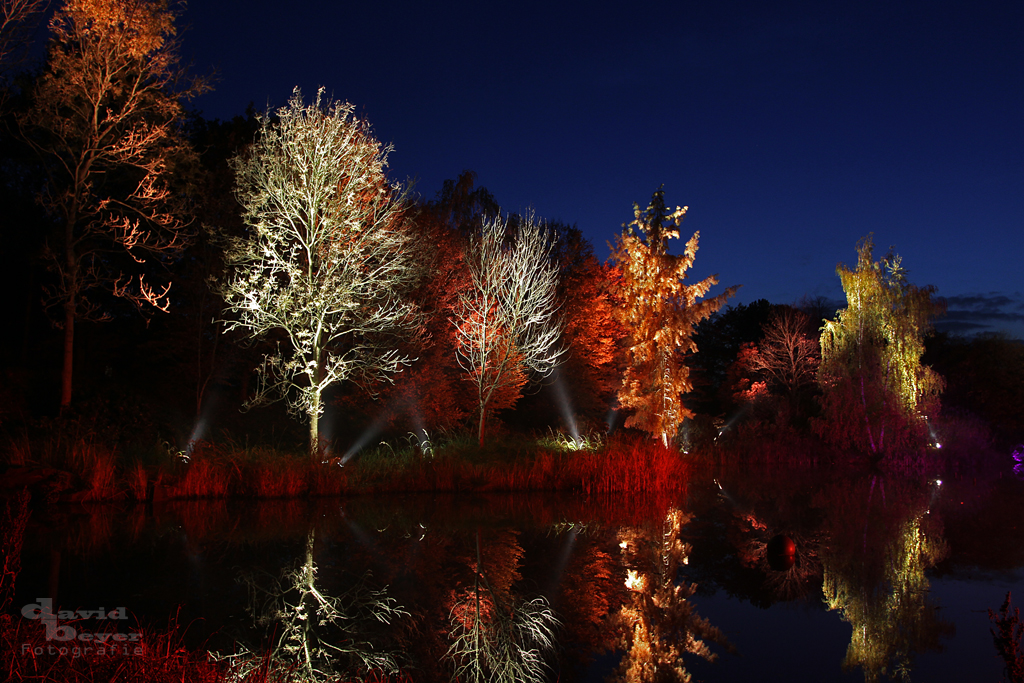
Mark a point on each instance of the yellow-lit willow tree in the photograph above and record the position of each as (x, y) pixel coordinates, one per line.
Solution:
(659, 313)
(327, 259)
(874, 573)
(877, 394)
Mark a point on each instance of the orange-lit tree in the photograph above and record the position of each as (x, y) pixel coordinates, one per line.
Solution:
(327, 260)
(876, 391)
(508, 328)
(105, 118)
(659, 313)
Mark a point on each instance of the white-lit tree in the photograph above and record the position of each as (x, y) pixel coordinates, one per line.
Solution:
(327, 257)
(508, 328)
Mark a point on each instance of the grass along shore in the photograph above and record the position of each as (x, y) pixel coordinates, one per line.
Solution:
(85, 471)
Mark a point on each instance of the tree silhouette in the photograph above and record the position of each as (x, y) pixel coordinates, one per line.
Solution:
(18, 21)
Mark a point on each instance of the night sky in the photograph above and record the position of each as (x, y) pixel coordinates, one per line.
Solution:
(790, 130)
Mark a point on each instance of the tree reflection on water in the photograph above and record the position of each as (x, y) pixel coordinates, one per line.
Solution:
(489, 572)
(495, 636)
(658, 623)
(882, 538)
(318, 635)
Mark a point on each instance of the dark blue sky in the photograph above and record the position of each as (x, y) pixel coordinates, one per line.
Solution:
(790, 130)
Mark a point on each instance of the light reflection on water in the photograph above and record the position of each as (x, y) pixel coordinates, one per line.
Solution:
(888, 574)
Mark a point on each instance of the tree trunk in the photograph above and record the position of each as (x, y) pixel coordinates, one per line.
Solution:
(70, 284)
(69, 354)
(314, 427)
(483, 416)
(314, 415)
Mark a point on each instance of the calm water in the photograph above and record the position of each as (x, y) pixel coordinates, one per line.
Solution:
(885, 575)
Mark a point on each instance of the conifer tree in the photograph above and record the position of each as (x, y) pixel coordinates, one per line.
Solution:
(659, 313)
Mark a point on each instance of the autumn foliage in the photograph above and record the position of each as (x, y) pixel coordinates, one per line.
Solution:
(659, 313)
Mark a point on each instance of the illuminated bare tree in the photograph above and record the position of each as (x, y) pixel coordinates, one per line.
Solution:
(786, 355)
(105, 117)
(507, 322)
(659, 313)
(327, 257)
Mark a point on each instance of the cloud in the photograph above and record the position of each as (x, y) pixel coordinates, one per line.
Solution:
(983, 312)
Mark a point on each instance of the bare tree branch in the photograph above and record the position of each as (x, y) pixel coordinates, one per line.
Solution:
(507, 323)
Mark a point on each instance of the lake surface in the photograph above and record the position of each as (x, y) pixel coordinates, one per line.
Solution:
(883, 575)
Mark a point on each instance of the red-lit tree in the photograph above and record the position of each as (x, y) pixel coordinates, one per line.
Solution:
(592, 335)
(786, 356)
(784, 363)
(431, 393)
(659, 313)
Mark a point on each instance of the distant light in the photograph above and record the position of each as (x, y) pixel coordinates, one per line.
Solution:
(938, 482)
